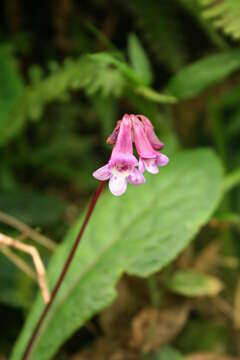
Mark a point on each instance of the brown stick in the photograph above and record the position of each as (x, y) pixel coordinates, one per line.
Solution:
(27, 231)
(31, 250)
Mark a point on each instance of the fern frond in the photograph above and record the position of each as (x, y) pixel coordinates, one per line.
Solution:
(191, 7)
(101, 73)
(160, 27)
(225, 15)
(73, 75)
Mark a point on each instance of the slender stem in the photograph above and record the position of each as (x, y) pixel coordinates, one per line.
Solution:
(31, 342)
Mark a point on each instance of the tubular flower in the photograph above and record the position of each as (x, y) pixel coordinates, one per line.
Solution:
(149, 131)
(150, 159)
(123, 167)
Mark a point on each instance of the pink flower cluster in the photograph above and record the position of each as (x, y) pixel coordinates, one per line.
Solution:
(123, 167)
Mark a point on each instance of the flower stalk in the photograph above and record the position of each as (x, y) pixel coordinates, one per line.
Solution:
(67, 264)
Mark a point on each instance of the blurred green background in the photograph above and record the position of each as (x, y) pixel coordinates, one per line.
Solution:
(69, 69)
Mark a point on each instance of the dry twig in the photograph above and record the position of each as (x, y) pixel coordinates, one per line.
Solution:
(7, 241)
(27, 231)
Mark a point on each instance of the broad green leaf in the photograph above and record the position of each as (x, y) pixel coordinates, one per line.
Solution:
(33, 208)
(192, 283)
(139, 59)
(138, 233)
(195, 78)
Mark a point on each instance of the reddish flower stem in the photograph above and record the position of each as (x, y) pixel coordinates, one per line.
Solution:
(34, 335)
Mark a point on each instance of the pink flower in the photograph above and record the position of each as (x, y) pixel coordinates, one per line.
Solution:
(150, 159)
(121, 167)
(149, 131)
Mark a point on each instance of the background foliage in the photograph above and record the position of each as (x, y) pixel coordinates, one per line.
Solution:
(139, 287)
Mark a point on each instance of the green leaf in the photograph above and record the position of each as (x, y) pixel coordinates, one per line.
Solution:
(231, 180)
(11, 88)
(33, 208)
(228, 218)
(168, 353)
(197, 77)
(139, 233)
(17, 288)
(109, 59)
(139, 59)
(213, 335)
(192, 283)
(160, 25)
(155, 96)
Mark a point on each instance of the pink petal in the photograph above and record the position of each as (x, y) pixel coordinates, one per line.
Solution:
(136, 177)
(103, 173)
(162, 160)
(156, 143)
(149, 130)
(124, 139)
(141, 167)
(123, 150)
(122, 161)
(118, 184)
(151, 165)
(143, 145)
